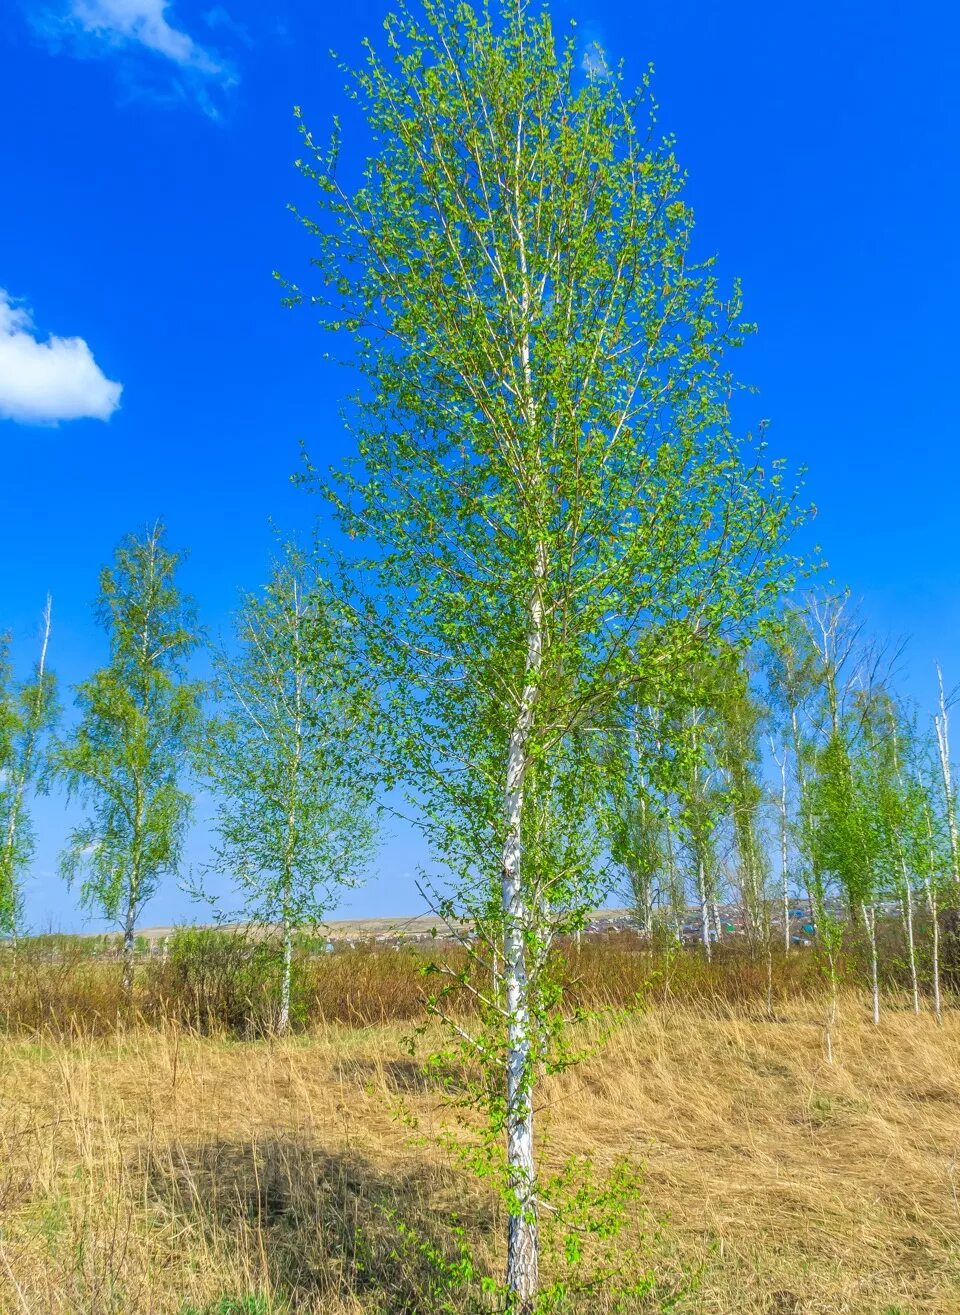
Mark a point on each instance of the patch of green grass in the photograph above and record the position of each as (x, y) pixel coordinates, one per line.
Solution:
(824, 1109)
(249, 1305)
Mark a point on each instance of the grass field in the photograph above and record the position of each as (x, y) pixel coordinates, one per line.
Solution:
(157, 1170)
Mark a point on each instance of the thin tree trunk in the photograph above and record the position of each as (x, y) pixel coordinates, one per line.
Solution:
(832, 1008)
(870, 923)
(128, 948)
(283, 1021)
(943, 745)
(21, 776)
(523, 1244)
(935, 949)
(784, 855)
(911, 945)
(950, 914)
(705, 914)
(676, 902)
(717, 924)
(932, 906)
(293, 800)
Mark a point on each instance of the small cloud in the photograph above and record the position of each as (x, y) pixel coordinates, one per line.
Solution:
(144, 29)
(142, 22)
(594, 61)
(42, 383)
(217, 17)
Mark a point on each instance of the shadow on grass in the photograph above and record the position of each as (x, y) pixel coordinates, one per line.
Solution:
(323, 1231)
(405, 1077)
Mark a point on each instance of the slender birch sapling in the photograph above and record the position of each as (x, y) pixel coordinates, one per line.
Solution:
(547, 472)
(950, 907)
(289, 758)
(27, 715)
(124, 759)
(739, 718)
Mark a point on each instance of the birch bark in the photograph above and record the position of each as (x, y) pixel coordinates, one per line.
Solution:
(522, 1232)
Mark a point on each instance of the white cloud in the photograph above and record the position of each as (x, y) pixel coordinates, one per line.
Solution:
(594, 61)
(157, 59)
(144, 23)
(44, 382)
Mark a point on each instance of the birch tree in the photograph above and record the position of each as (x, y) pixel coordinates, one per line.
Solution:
(27, 715)
(289, 759)
(547, 473)
(639, 822)
(950, 909)
(739, 722)
(124, 759)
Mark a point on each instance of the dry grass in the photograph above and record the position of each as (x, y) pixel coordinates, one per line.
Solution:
(157, 1171)
(214, 981)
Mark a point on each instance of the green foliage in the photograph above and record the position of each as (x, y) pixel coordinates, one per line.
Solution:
(28, 712)
(289, 752)
(221, 980)
(550, 505)
(125, 757)
(249, 1305)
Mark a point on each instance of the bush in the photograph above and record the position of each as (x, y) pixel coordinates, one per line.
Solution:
(214, 980)
(251, 1305)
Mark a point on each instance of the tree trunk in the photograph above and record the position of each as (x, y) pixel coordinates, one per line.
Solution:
(705, 914)
(870, 922)
(283, 1020)
(784, 858)
(717, 922)
(935, 950)
(911, 944)
(128, 949)
(523, 1244)
(832, 1008)
(949, 930)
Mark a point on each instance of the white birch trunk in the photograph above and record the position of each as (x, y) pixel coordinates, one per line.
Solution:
(870, 923)
(705, 913)
(784, 855)
(943, 745)
(911, 945)
(523, 1247)
(676, 902)
(934, 912)
(935, 950)
(283, 1020)
(293, 802)
(832, 1008)
(128, 948)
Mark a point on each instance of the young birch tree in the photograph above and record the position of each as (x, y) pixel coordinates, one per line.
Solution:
(950, 908)
(27, 715)
(289, 758)
(739, 723)
(547, 476)
(124, 759)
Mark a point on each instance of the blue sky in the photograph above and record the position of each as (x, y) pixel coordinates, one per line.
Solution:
(144, 175)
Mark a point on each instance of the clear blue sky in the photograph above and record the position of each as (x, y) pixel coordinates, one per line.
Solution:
(144, 174)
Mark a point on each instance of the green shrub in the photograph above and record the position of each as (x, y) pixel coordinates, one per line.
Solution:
(249, 1305)
(215, 980)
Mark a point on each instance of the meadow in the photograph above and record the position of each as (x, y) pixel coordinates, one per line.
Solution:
(154, 1162)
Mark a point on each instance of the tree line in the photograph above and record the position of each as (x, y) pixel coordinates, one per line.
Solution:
(561, 630)
(277, 735)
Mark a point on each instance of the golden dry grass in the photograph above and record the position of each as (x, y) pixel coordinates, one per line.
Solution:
(158, 1172)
